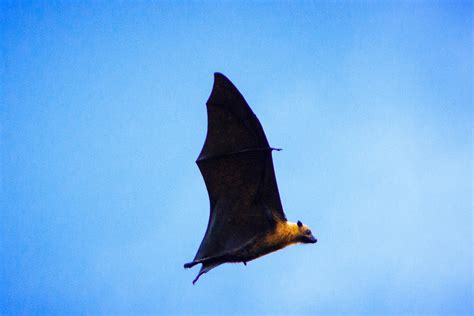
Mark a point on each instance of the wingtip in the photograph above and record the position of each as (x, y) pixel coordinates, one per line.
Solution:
(222, 89)
(220, 77)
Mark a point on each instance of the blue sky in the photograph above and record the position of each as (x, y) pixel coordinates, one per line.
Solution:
(103, 115)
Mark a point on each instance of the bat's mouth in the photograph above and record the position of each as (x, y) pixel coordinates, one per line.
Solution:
(312, 240)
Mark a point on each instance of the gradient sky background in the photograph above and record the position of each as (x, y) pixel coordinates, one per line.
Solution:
(103, 115)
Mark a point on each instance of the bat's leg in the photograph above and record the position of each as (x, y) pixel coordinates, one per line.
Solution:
(224, 257)
(203, 261)
(245, 263)
(228, 257)
(193, 263)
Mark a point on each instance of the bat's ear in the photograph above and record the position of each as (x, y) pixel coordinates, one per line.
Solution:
(299, 224)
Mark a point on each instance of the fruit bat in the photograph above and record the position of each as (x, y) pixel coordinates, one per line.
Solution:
(246, 219)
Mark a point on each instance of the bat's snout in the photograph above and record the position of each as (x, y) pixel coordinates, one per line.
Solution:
(309, 239)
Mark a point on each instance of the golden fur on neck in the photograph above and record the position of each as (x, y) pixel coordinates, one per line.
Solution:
(285, 234)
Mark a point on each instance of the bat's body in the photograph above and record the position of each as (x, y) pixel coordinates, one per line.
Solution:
(247, 219)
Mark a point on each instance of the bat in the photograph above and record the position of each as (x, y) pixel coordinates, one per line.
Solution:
(246, 219)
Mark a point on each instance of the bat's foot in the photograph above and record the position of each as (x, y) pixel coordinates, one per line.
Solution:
(245, 263)
(190, 264)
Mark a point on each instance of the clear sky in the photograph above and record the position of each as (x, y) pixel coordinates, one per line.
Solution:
(103, 115)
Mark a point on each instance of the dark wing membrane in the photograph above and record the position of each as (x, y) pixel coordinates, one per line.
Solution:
(238, 214)
(237, 167)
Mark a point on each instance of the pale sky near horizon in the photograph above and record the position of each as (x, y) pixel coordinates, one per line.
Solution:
(102, 116)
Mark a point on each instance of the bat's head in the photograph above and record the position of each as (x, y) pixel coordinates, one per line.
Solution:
(304, 234)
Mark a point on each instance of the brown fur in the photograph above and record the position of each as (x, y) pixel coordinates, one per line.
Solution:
(285, 234)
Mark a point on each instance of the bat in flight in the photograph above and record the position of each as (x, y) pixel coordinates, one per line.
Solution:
(246, 219)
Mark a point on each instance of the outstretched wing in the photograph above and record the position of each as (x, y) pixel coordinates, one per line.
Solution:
(237, 167)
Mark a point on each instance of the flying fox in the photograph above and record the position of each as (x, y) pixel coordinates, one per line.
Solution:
(246, 219)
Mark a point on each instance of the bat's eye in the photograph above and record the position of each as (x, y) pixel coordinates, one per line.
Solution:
(308, 232)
